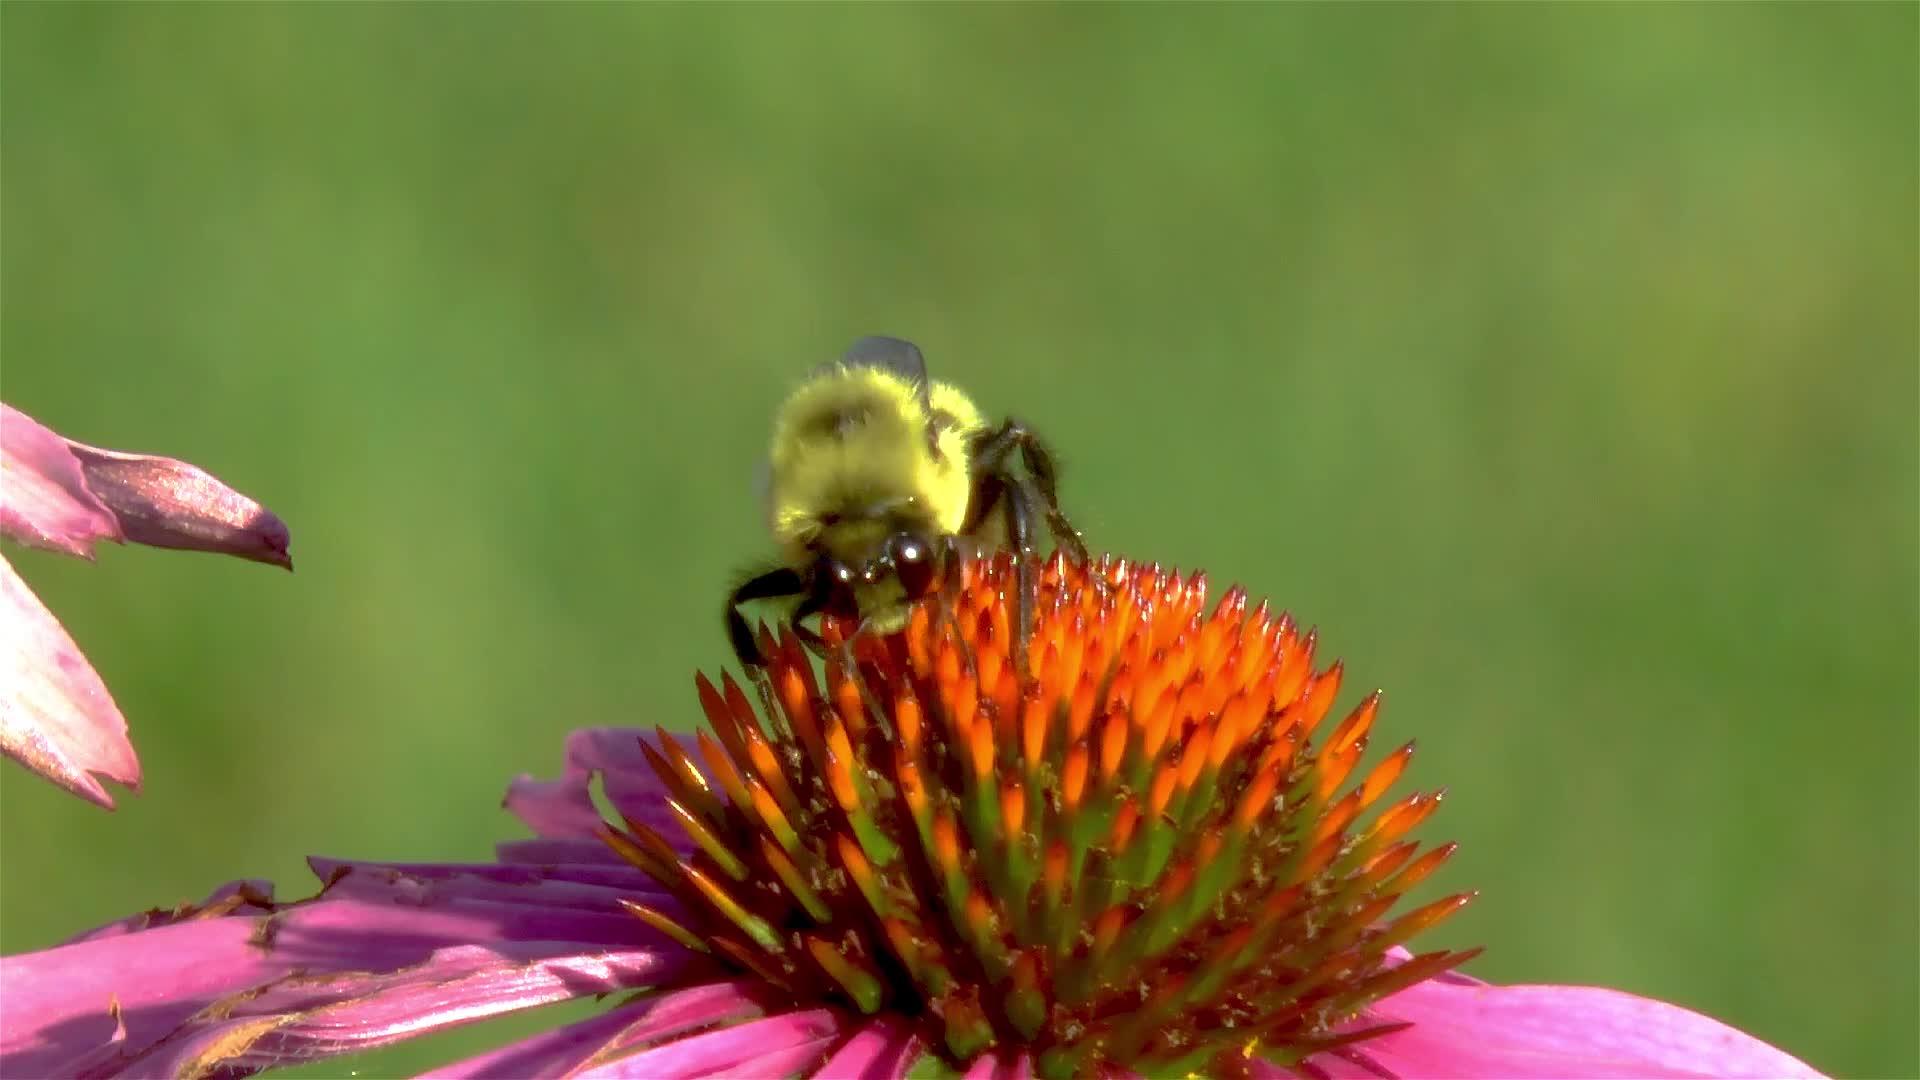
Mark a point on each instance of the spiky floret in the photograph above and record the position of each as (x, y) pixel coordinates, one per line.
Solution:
(1135, 854)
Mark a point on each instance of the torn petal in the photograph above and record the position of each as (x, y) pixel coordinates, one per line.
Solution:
(307, 1017)
(249, 896)
(563, 808)
(56, 716)
(308, 980)
(44, 501)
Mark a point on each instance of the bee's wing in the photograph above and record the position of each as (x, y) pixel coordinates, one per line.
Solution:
(896, 355)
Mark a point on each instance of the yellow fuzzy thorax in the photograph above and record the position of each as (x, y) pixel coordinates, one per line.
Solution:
(850, 463)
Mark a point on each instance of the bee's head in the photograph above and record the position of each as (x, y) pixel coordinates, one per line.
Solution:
(906, 558)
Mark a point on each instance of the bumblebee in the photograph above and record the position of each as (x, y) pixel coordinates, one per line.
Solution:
(876, 477)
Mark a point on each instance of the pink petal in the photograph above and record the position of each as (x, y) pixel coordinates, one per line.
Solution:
(56, 716)
(44, 499)
(775, 1046)
(563, 1052)
(1464, 1030)
(881, 1050)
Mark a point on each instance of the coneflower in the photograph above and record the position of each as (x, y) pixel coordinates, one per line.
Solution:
(1146, 848)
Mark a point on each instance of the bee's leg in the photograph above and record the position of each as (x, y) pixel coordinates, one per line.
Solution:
(813, 604)
(1026, 592)
(990, 456)
(811, 638)
(829, 590)
(782, 581)
(953, 565)
(1039, 462)
(988, 485)
(950, 572)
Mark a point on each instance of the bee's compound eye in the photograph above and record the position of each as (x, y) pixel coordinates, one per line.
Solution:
(913, 562)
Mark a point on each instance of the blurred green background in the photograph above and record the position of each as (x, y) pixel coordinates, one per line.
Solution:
(1558, 362)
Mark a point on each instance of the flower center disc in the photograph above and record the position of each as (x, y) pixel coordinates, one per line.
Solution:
(1132, 854)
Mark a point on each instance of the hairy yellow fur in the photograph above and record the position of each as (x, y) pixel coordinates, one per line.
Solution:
(870, 484)
(850, 462)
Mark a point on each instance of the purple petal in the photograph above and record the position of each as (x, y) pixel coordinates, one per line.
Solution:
(515, 907)
(56, 716)
(775, 1046)
(881, 1050)
(520, 911)
(565, 1051)
(1464, 1030)
(44, 500)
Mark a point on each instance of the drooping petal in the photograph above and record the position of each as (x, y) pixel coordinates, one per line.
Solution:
(56, 716)
(66, 495)
(1478, 1030)
(166, 503)
(44, 499)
